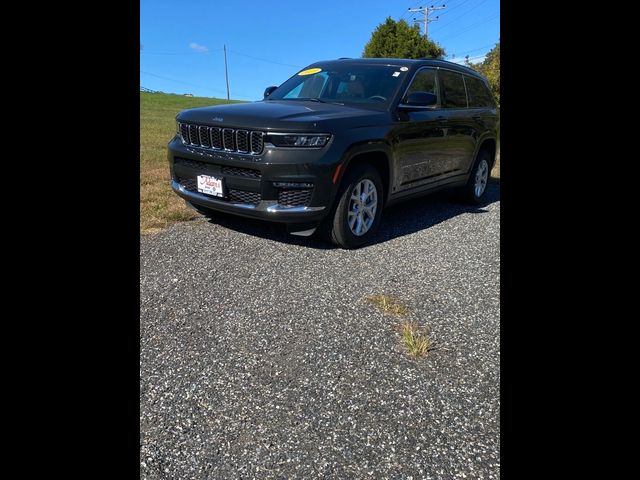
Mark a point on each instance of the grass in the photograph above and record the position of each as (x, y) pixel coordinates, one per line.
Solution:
(159, 206)
(388, 304)
(415, 339)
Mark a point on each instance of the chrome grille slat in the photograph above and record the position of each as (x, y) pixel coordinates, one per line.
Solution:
(228, 139)
(205, 139)
(216, 139)
(193, 135)
(257, 142)
(221, 138)
(242, 141)
(184, 132)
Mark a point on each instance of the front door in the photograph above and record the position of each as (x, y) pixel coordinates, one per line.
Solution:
(419, 138)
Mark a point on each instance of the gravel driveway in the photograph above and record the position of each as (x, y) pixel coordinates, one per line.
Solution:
(260, 357)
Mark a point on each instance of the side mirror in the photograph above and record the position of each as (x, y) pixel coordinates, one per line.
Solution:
(420, 99)
(269, 90)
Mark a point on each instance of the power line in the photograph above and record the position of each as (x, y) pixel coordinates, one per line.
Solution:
(182, 53)
(237, 94)
(472, 26)
(460, 16)
(479, 48)
(180, 81)
(262, 59)
(454, 7)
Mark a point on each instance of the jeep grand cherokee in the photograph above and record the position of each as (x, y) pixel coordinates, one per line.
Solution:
(338, 141)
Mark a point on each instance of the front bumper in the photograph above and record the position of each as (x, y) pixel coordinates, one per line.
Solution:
(266, 209)
(253, 184)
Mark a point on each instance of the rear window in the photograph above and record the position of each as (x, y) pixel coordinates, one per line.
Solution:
(453, 92)
(479, 94)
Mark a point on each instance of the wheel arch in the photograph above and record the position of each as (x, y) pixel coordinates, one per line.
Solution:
(378, 154)
(489, 145)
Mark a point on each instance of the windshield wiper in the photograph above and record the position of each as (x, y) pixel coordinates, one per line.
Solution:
(322, 101)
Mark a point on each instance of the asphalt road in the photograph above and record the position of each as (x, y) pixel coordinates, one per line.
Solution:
(260, 358)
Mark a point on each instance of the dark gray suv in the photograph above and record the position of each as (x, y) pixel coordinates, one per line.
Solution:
(338, 141)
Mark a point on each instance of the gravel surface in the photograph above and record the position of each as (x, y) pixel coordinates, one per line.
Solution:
(261, 358)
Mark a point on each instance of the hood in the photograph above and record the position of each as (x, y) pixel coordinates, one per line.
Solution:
(288, 115)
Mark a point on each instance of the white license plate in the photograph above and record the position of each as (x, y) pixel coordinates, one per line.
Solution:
(210, 185)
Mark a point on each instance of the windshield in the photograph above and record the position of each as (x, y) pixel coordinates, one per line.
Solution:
(343, 84)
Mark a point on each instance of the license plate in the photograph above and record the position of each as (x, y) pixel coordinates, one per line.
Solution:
(210, 185)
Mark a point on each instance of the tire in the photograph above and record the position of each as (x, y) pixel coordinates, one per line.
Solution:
(350, 215)
(475, 190)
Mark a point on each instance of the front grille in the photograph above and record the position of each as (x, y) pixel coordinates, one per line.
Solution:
(208, 168)
(294, 198)
(190, 184)
(241, 172)
(233, 195)
(229, 139)
(242, 196)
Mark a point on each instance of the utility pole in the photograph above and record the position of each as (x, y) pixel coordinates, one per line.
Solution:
(426, 11)
(226, 72)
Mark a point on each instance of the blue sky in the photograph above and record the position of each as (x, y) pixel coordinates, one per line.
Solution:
(269, 41)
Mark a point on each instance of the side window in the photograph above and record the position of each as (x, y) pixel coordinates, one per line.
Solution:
(479, 94)
(424, 81)
(453, 92)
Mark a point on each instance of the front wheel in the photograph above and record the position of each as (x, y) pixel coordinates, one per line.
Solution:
(356, 216)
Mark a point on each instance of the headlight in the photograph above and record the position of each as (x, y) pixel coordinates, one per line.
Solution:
(297, 140)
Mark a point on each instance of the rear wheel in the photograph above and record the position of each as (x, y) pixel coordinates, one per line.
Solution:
(356, 215)
(476, 188)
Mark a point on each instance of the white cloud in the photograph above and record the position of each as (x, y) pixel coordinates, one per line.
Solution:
(198, 48)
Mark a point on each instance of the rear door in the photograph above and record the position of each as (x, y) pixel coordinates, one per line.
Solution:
(459, 130)
(482, 106)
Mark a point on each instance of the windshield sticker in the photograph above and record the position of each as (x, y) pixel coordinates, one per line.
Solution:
(404, 69)
(396, 74)
(310, 71)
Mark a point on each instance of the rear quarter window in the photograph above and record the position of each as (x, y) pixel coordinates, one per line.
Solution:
(478, 92)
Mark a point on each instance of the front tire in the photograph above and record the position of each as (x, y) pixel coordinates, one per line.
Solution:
(356, 215)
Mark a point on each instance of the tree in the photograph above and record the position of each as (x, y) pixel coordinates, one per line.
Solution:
(393, 39)
(490, 68)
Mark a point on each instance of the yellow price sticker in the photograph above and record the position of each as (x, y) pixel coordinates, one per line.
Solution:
(310, 71)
